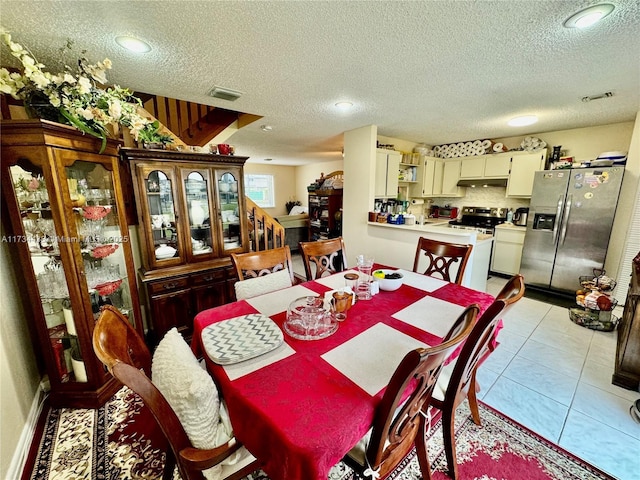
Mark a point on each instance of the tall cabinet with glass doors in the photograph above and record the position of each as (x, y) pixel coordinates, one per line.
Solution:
(66, 224)
(191, 216)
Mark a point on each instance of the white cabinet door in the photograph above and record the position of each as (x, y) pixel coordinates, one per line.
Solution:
(386, 178)
(425, 177)
(497, 166)
(472, 167)
(523, 167)
(450, 177)
(507, 250)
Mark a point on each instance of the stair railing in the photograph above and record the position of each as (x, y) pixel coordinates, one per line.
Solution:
(265, 232)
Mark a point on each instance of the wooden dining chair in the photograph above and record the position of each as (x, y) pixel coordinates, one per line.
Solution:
(458, 379)
(327, 256)
(121, 349)
(441, 257)
(253, 268)
(397, 422)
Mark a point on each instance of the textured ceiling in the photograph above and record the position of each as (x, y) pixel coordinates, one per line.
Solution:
(424, 71)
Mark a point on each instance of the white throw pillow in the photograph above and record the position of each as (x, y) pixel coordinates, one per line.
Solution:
(298, 209)
(271, 282)
(191, 393)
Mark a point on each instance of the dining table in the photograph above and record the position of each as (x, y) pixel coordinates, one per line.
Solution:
(303, 404)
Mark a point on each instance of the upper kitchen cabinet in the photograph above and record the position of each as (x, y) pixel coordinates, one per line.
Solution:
(485, 166)
(523, 167)
(68, 230)
(191, 217)
(437, 177)
(387, 167)
(450, 178)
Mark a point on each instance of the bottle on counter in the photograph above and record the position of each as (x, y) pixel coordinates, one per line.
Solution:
(510, 216)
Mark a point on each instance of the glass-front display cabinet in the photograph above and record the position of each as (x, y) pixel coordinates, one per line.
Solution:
(191, 217)
(66, 224)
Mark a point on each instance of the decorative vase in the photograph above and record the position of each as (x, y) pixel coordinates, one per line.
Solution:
(197, 212)
(37, 105)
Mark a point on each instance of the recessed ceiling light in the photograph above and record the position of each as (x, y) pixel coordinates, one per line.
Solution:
(266, 128)
(588, 16)
(344, 105)
(133, 44)
(522, 121)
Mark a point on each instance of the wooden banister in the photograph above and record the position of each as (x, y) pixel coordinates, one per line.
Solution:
(264, 231)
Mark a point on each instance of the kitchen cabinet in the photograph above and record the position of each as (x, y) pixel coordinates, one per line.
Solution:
(67, 225)
(325, 209)
(450, 177)
(386, 173)
(485, 166)
(507, 249)
(523, 167)
(191, 217)
(627, 363)
(425, 174)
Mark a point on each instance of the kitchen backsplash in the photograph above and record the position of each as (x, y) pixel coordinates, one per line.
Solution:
(475, 197)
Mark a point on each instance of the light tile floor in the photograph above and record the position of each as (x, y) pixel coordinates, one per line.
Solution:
(554, 377)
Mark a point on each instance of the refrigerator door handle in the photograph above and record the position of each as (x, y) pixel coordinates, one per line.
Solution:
(565, 218)
(556, 223)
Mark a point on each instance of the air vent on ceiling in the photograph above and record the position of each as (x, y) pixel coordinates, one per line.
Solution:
(225, 93)
(597, 97)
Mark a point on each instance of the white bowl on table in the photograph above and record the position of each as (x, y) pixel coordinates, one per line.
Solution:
(388, 284)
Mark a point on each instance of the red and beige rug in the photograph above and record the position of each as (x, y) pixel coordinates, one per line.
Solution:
(120, 442)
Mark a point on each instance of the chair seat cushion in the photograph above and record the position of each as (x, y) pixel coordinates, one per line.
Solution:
(193, 396)
(271, 282)
(443, 381)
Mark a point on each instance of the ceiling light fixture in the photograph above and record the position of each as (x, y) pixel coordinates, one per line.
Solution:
(344, 105)
(588, 16)
(268, 159)
(522, 121)
(133, 44)
(266, 128)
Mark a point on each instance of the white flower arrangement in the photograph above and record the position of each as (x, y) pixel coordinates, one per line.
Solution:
(75, 97)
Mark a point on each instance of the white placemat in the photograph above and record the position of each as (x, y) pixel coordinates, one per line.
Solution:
(423, 282)
(370, 358)
(241, 338)
(275, 302)
(431, 315)
(336, 280)
(238, 370)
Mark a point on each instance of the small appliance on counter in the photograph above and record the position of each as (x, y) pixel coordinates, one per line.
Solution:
(520, 217)
(444, 212)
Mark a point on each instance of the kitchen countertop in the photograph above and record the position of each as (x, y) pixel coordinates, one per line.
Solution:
(437, 226)
(511, 226)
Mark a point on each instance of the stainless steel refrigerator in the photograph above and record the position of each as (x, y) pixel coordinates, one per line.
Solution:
(569, 225)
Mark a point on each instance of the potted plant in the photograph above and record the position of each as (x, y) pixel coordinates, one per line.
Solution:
(150, 136)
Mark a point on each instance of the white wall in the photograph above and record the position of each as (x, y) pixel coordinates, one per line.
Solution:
(19, 378)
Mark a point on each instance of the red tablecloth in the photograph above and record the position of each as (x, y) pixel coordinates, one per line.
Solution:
(300, 415)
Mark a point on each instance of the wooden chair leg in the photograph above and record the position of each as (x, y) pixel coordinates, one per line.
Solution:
(473, 399)
(449, 441)
(421, 449)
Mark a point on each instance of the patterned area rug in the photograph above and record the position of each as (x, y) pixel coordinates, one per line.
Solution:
(120, 442)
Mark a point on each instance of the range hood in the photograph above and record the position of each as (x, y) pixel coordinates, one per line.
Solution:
(483, 182)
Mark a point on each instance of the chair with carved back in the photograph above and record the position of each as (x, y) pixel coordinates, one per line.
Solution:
(398, 423)
(262, 272)
(441, 258)
(121, 349)
(458, 379)
(326, 256)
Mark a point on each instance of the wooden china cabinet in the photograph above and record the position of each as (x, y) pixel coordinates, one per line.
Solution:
(191, 217)
(66, 223)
